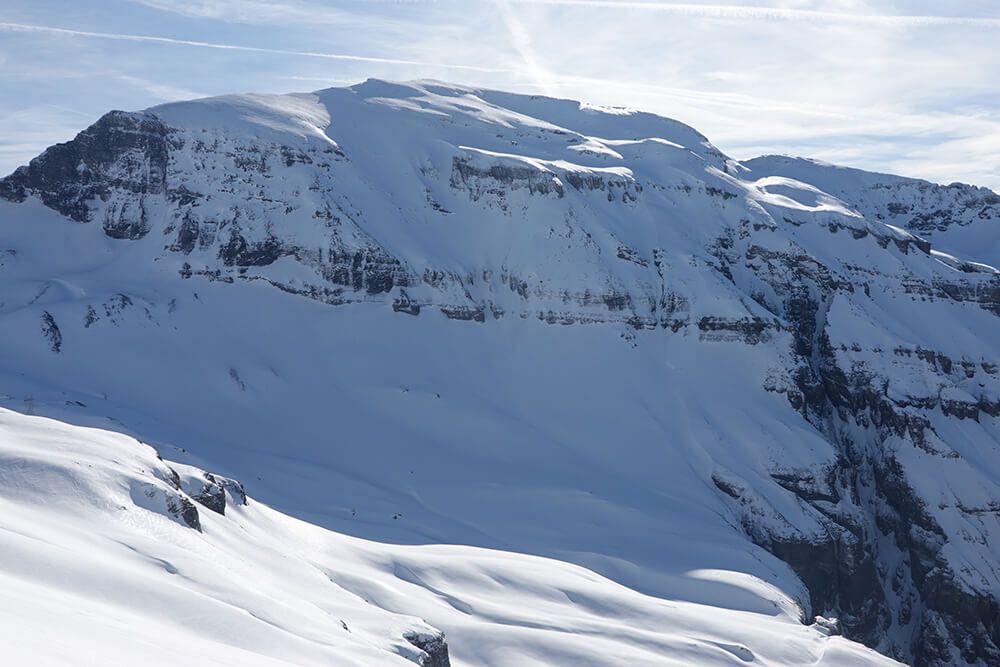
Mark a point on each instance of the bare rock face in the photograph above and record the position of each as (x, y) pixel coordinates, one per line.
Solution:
(106, 173)
(169, 498)
(211, 490)
(184, 509)
(51, 331)
(434, 647)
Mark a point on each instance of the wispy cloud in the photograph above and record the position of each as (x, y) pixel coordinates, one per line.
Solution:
(158, 90)
(521, 41)
(23, 27)
(773, 13)
(252, 11)
(286, 12)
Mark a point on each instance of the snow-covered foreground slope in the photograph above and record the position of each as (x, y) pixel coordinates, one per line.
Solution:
(421, 313)
(105, 559)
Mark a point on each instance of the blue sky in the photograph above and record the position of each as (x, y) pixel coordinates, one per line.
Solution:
(908, 86)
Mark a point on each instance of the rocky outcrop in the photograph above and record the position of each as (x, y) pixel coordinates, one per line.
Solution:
(210, 490)
(493, 182)
(434, 648)
(52, 332)
(107, 172)
(184, 509)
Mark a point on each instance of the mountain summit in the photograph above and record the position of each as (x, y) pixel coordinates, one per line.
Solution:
(429, 314)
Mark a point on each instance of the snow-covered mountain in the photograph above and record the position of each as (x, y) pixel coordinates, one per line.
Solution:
(419, 313)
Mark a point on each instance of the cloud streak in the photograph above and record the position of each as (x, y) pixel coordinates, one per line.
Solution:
(773, 13)
(151, 39)
(521, 41)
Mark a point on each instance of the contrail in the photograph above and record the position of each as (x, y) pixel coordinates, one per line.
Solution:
(23, 27)
(774, 14)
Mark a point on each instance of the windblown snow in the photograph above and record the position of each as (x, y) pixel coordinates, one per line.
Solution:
(98, 569)
(563, 383)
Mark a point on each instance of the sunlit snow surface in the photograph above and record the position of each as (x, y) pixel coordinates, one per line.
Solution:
(94, 572)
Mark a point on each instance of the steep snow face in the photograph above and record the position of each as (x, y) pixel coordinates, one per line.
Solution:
(108, 554)
(531, 325)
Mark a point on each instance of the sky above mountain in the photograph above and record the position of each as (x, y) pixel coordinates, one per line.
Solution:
(906, 87)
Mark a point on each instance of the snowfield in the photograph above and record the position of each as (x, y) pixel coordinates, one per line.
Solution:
(564, 383)
(97, 570)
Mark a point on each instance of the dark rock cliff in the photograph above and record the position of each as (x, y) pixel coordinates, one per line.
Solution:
(120, 153)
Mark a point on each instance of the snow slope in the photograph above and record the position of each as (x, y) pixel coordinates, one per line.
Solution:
(426, 314)
(97, 570)
(959, 219)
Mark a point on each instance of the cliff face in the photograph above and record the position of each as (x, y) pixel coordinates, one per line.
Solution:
(831, 328)
(119, 161)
